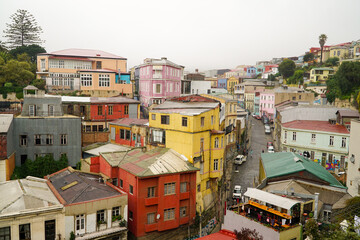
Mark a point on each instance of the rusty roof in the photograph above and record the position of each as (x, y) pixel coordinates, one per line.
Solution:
(87, 186)
(321, 126)
(154, 162)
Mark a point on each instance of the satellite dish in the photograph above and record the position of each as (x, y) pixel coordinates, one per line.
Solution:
(158, 216)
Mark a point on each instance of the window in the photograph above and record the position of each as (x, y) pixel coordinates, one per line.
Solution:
(169, 214)
(115, 211)
(24, 232)
(183, 187)
(32, 110)
(115, 181)
(110, 110)
(342, 161)
(285, 135)
(86, 80)
(222, 141)
(216, 164)
(184, 121)
(100, 216)
(104, 80)
(158, 136)
(150, 218)
(131, 189)
(63, 139)
(153, 117)
(121, 183)
(198, 187)
(23, 140)
(313, 138)
(122, 134)
(327, 216)
(49, 139)
(51, 110)
(183, 211)
(343, 142)
(50, 233)
(312, 155)
(169, 188)
(331, 143)
(100, 110)
(331, 158)
(202, 121)
(157, 88)
(151, 192)
(216, 144)
(294, 136)
(37, 139)
(165, 119)
(208, 184)
(131, 215)
(5, 233)
(212, 119)
(126, 109)
(98, 64)
(201, 144)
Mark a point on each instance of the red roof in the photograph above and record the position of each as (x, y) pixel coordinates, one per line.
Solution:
(322, 126)
(221, 235)
(193, 98)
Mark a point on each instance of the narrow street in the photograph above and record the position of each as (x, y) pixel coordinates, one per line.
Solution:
(249, 170)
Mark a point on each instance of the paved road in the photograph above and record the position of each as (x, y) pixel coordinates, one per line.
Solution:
(250, 169)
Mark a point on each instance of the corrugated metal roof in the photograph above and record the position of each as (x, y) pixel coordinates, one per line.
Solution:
(321, 126)
(155, 162)
(270, 198)
(107, 148)
(5, 122)
(84, 53)
(285, 163)
(130, 121)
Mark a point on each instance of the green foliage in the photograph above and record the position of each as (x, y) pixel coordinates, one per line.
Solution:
(31, 50)
(271, 77)
(41, 167)
(9, 88)
(24, 57)
(18, 73)
(39, 83)
(72, 235)
(5, 56)
(332, 62)
(23, 30)
(116, 218)
(297, 78)
(308, 57)
(287, 68)
(78, 165)
(246, 233)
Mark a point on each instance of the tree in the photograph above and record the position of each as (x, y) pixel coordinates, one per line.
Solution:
(247, 234)
(39, 83)
(32, 50)
(331, 62)
(23, 30)
(298, 77)
(287, 68)
(308, 57)
(322, 41)
(18, 73)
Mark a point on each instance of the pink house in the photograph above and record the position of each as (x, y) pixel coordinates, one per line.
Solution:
(159, 79)
(267, 104)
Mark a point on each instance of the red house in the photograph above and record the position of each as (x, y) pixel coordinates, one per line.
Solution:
(161, 186)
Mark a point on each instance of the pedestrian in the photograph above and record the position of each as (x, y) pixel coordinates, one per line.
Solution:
(251, 152)
(263, 151)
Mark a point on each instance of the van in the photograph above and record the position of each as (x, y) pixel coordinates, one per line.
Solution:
(267, 129)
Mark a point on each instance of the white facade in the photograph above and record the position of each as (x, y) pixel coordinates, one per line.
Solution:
(200, 87)
(353, 174)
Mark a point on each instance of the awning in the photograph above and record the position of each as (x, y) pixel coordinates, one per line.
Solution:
(270, 198)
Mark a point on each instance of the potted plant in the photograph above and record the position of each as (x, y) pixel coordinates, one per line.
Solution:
(116, 220)
(101, 225)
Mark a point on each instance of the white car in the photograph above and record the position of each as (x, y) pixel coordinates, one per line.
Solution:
(237, 191)
(240, 159)
(271, 149)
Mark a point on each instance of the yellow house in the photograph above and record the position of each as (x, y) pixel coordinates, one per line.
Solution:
(190, 126)
(342, 52)
(320, 74)
(231, 82)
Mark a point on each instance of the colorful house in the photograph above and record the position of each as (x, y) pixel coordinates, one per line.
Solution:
(267, 104)
(251, 72)
(190, 125)
(320, 74)
(260, 69)
(222, 83)
(231, 82)
(131, 132)
(93, 72)
(7, 150)
(159, 79)
(161, 186)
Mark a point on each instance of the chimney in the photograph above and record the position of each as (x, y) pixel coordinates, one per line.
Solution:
(163, 58)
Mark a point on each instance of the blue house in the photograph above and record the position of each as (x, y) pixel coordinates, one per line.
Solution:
(260, 69)
(123, 79)
(250, 72)
(222, 83)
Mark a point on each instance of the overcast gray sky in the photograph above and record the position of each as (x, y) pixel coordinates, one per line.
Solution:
(202, 34)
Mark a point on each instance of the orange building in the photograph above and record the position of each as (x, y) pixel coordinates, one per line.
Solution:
(93, 72)
(7, 150)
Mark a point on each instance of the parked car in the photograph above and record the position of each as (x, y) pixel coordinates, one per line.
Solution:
(240, 159)
(237, 191)
(271, 149)
(269, 144)
(257, 117)
(267, 129)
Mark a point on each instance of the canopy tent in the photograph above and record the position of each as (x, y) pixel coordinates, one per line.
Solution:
(270, 198)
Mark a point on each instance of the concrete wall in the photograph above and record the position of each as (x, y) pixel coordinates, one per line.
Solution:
(55, 126)
(353, 176)
(42, 105)
(94, 137)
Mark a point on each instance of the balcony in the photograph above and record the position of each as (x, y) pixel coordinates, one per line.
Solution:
(151, 201)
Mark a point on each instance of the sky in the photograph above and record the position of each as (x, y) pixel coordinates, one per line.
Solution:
(198, 34)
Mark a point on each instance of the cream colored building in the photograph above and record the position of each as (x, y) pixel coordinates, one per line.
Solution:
(29, 210)
(353, 174)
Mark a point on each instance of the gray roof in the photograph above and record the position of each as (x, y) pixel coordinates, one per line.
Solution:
(162, 61)
(308, 112)
(251, 83)
(348, 113)
(24, 195)
(5, 122)
(76, 187)
(30, 87)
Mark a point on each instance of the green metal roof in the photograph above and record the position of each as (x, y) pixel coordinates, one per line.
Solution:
(285, 163)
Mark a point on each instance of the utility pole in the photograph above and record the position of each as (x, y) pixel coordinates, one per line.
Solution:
(200, 223)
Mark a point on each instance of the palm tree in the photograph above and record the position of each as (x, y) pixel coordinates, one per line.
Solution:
(322, 40)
